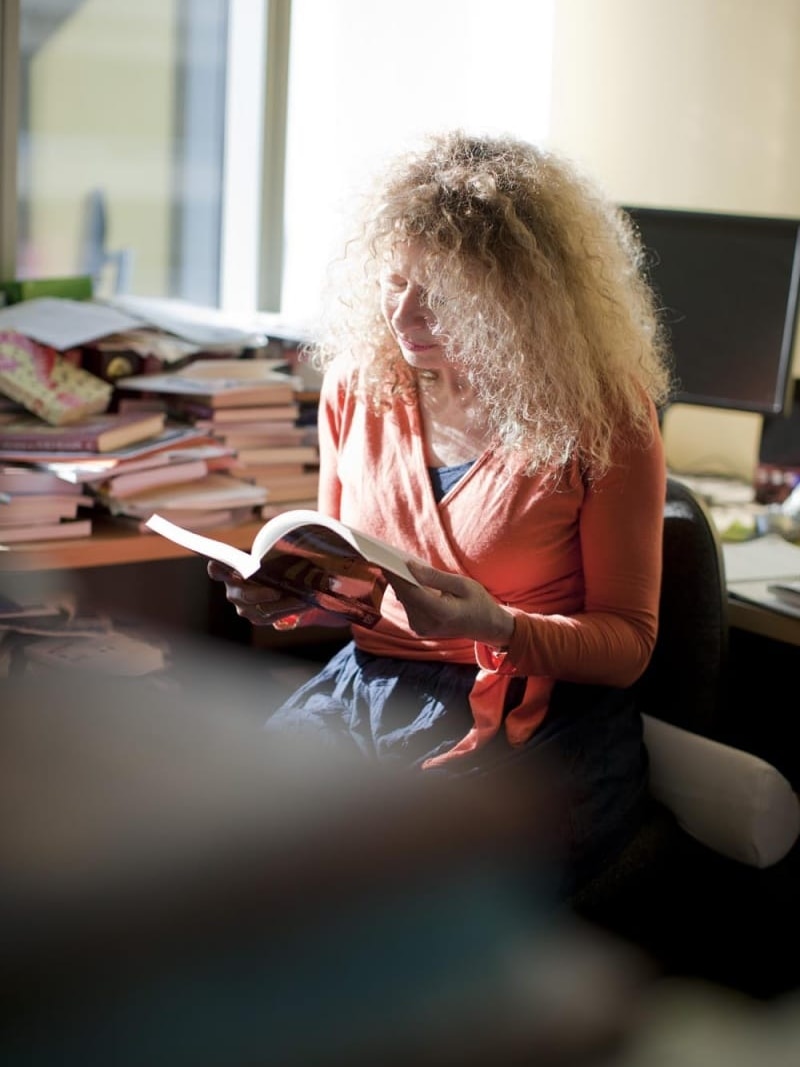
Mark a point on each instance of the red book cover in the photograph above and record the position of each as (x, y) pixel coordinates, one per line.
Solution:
(47, 382)
(94, 433)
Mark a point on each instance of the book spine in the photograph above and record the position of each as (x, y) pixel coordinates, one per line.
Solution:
(63, 442)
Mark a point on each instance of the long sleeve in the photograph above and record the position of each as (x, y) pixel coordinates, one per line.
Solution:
(609, 637)
(577, 563)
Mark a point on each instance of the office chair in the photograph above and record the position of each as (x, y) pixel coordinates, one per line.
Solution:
(719, 816)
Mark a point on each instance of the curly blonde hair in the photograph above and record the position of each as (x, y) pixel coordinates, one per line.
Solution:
(539, 288)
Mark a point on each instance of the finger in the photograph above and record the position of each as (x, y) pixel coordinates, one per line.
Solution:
(432, 578)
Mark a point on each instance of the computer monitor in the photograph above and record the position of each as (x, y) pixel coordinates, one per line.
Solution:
(729, 289)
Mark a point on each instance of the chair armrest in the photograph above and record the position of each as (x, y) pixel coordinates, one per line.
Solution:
(730, 800)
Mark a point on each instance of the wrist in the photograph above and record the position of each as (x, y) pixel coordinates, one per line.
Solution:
(503, 633)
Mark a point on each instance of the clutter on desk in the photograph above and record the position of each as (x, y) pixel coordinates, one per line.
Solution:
(48, 383)
(753, 568)
(774, 482)
(91, 433)
(149, 369)
(51, 636)
(64, 323)
(250, 407)
(37, 505)
(212, 500)
(787, 591)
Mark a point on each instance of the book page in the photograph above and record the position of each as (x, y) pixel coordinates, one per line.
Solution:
(240, 561)
(64, 323)
(317, 560)
(316, 524)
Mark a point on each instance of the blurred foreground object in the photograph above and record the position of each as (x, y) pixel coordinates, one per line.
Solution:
(178, 888)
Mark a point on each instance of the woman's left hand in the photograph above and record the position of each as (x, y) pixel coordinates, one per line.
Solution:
(451, 605)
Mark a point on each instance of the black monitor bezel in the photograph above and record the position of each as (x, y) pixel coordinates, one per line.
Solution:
(780, 402)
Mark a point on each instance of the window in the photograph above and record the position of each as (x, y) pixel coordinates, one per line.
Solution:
(207, 149)
(366, 77)
(120, 143)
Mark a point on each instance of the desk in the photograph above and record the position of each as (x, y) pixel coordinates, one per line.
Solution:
(148, 578)
(762, 621)
(112, 544)
(129, 576)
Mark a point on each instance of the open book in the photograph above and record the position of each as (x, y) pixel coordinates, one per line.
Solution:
(310, 556)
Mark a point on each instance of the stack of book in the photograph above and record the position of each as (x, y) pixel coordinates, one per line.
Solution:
(250, 407)
(182, 471)
(36, 505)
(216, 498)
(125, 465)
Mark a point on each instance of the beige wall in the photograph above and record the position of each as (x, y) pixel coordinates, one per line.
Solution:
(686, 103)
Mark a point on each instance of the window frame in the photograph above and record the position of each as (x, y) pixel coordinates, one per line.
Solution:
(9, 133)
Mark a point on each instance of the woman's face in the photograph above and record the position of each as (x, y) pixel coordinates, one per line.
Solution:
(404, 306)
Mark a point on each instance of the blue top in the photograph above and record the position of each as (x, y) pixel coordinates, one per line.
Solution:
(444, 478)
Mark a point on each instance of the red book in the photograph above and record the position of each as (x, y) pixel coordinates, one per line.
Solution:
(25, 481)
(45, 531)
(95, 433)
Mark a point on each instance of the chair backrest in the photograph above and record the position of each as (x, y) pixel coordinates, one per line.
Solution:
(684, 682)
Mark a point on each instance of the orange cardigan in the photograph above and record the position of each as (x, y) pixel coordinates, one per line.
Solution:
(578, 565)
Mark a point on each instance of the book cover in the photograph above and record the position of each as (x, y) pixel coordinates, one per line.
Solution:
(280, 507)
(80, 465)
(93, 433)
(213, 519)
(248, 413)
(72, 287)
(41, 507)
(47, 383)
(215, 490)
(284, 490)
(227, 386)
(45, 531)
(305, 455)
(787, 591)
(279, 417)
(21, 481)
(310, 556)
(261, 475)
(128, 484)
(262, 455)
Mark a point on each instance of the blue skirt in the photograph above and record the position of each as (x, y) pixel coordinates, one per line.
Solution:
(405, 711)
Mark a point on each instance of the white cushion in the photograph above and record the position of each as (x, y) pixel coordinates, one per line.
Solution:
(730, 800)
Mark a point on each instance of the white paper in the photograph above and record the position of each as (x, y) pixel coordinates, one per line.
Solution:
(758, 593)
(62, 323)
(201, 325)
(762, 559)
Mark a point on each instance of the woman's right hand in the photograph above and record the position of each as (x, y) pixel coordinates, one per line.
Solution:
(259, 604)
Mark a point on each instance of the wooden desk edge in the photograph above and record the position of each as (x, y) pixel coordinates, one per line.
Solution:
(762, 621)
(110, 546)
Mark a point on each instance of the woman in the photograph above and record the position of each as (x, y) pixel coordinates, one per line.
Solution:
(493, 367)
